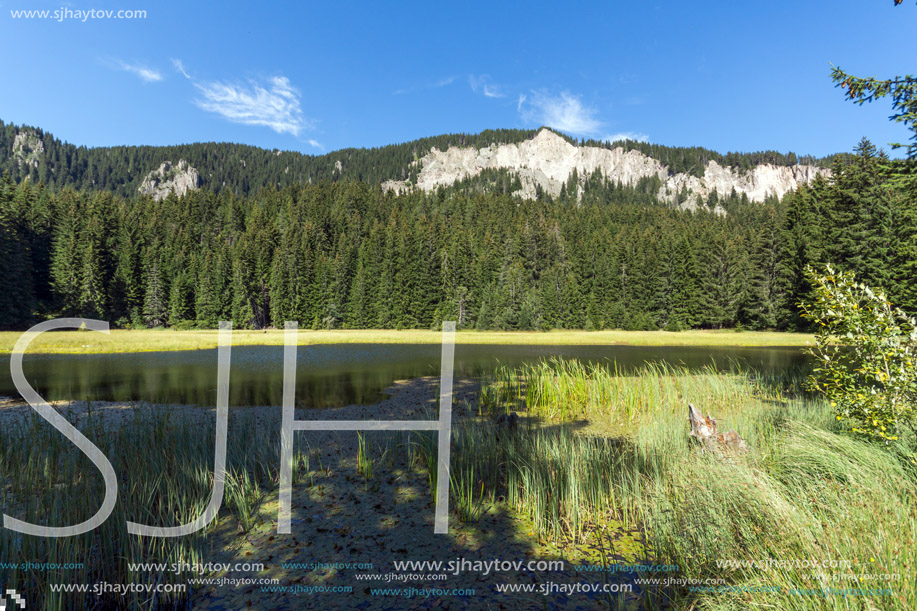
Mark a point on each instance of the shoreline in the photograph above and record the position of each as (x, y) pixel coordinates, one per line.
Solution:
(406, 399)
(168, 340)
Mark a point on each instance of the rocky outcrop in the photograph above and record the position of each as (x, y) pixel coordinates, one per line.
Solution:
(547, 161)
(168, 178)
(28, 149)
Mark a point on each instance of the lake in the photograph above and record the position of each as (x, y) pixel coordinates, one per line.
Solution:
(330, 375)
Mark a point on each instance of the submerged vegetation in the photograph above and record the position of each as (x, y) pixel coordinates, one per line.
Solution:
(597, 462)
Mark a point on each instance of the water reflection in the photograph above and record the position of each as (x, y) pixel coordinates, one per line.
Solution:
(328, 375)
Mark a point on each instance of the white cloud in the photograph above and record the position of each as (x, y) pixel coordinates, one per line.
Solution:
(483, 84)
(520, 102)
(564, 112)
(316, 144)
(180, 68)
(443, 82)
(148, 75)
(638, 137)
(274, 105)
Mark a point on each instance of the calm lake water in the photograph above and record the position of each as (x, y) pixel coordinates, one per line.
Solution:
(329, 375)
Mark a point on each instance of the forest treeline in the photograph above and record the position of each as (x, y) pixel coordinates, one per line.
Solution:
(244, 169)
(693, 160)
(347, 255)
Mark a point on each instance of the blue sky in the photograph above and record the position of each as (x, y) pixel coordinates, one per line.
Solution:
(314, 77)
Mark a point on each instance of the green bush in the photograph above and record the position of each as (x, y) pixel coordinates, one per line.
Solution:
(865, 352)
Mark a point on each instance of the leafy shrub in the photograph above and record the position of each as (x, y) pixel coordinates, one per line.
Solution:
(865, 353)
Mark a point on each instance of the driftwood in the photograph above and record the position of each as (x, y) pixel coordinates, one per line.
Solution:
(703, 429)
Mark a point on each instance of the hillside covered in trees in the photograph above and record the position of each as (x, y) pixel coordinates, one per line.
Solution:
(244, 169)
(345, 254)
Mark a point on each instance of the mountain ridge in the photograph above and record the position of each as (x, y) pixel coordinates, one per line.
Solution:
(546, 163)
(243, 169)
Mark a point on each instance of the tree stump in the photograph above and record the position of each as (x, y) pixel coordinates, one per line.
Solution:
(703, 429)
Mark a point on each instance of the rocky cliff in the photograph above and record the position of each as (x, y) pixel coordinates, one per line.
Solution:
(168, 178)
(28, 149)
(548, 160)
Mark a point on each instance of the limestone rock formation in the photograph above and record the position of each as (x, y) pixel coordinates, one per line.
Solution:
(28, 149)
(179, 178)
(548, 160)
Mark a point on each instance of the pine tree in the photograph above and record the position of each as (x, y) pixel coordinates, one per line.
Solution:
(206, 301)
(765, 293)
(155, 313)
(179, 300)
(16, 286)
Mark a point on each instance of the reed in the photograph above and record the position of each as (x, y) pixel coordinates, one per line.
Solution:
(364, 459)
(597, 448)
(596, 456)
(244, 496)
(164, 466)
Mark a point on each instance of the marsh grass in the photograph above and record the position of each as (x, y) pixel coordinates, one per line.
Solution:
(244, 496)
(598, 459)
(423, 444)
(364, 458)
(165, 473)
(598, 448)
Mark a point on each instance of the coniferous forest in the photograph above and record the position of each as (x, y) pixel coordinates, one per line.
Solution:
(344, 254)
(243, 169)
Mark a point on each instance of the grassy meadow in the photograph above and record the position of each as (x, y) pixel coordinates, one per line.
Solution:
(155, 340)
(599, 464)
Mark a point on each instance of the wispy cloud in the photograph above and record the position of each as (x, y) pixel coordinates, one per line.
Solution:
(638, 137)
(443, 82)
(147, 75)
(274, 104)
(316, 144)
(180, 68)
(483, 84)
(565, 112)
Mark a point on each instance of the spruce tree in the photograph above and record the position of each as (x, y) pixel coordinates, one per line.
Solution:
(155, 313)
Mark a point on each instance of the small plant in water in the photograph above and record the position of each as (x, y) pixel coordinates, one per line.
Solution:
(244, 496)
(364, 460)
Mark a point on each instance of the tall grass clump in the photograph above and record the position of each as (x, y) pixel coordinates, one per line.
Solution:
(566, 390)
(598, 447)
(164, 466)
(554, 476)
